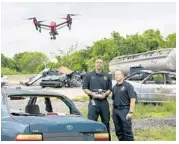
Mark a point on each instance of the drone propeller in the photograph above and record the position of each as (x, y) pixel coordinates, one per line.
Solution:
(65, 18)
(41, 21)
(30, 18)
(73, 14)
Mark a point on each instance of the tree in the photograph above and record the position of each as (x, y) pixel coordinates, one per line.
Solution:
(106, 48)
(8, 63)
(29, 61)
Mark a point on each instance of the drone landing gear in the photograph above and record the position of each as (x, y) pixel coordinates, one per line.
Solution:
(54, 37)
(69, 26)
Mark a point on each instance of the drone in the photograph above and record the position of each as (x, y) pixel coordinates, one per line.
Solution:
(53, 26)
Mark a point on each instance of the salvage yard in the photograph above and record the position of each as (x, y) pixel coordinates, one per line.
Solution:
(150, 123)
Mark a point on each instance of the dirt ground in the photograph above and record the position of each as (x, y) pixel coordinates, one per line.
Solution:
(14, 81)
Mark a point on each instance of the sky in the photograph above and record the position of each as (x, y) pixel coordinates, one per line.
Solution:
(96, 21)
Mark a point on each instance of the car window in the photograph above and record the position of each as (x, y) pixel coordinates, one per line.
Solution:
(137, 76)
(16, 105)
(155, 79)
(44, 104)
(52, 105)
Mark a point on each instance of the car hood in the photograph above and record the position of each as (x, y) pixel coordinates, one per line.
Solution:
(57, 124)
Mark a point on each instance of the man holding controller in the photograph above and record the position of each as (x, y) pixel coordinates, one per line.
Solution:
(98, 86)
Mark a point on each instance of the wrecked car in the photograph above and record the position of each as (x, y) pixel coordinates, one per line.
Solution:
(153, 86)
(37, 115)
(64, 77)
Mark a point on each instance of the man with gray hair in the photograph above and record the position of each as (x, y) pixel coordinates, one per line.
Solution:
(123, 96)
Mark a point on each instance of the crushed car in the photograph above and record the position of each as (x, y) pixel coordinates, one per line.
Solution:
(153, 86)
(63, 77)
(37, 115)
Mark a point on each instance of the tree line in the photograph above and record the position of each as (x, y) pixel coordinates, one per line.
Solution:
(106, 48)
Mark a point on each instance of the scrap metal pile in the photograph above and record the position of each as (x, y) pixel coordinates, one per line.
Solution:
(58, 79)
(61, 77)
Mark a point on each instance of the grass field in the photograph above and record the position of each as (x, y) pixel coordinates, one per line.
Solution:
(168, 134)
(143, 112)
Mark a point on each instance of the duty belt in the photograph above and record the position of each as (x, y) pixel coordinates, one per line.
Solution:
(97, 99)
(121, 106)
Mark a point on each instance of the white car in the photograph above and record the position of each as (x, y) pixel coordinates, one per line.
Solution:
(4, 80)
(153, 86)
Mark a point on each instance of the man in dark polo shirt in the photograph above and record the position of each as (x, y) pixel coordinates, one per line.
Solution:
(98, 85)
(123, 96)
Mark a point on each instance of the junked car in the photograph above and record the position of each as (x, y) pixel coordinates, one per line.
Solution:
(153, 86)
(38, 115)
(4, 80)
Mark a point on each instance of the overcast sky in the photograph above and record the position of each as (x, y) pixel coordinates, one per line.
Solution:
(97, 21)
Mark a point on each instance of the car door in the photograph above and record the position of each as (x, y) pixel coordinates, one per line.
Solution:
(170, 86)
(153, 87)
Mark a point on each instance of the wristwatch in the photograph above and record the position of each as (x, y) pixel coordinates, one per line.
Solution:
(130, 112)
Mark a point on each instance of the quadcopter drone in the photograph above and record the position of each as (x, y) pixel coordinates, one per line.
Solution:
(53, 26)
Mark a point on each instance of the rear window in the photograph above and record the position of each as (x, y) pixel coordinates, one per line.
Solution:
(43, 105)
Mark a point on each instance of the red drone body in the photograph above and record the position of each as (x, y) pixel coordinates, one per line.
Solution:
(34, 21)
(52, 26)
(68, 18)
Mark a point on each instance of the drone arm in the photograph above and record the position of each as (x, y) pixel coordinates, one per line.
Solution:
(61, 24)
(45, 28)
(44, 25)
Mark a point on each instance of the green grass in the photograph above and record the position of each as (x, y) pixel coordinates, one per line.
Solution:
(81, 98)
(167, 134)
(147, 111)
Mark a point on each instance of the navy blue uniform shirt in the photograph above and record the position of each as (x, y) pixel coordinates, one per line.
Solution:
(93, 81)
(122, 93)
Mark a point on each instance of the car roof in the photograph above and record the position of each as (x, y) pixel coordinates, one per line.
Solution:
(160, 71)
(34, 92)
(148, 71)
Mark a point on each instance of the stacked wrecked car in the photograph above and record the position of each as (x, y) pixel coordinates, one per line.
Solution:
(58, 78)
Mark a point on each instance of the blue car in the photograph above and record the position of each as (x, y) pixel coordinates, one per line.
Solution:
(39, 115)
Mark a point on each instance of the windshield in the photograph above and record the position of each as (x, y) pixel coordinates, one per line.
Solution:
(139, 76)
(41, 105)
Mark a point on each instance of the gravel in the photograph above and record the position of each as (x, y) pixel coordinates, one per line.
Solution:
(163, 122)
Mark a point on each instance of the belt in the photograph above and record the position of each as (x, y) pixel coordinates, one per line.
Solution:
(96, 99)
(121, 106)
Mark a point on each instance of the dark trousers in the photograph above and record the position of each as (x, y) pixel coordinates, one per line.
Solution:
(101, 108)
(123, 127)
